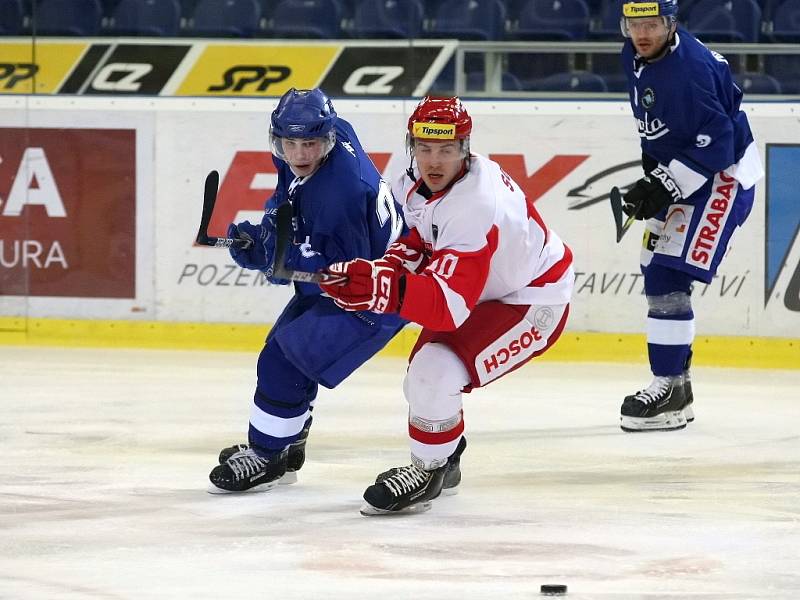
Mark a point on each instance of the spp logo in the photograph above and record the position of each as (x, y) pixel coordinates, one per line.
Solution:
(11, 74)
(257, 78)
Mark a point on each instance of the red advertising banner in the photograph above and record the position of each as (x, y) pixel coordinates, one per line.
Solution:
(68, 212)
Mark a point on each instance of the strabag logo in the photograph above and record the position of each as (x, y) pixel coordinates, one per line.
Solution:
(67, 212)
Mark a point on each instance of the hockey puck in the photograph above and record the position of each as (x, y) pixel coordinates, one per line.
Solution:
(553, 590)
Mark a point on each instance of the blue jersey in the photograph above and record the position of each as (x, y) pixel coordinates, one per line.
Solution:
(687, 113)
(341, 212)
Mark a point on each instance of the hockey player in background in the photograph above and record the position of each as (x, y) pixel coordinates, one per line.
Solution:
(701, 165)
(483, 275)
(342, 210)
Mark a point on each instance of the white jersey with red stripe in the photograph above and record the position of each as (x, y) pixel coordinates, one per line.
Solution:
(483, 241)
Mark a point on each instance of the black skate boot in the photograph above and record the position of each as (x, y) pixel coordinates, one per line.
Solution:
(296, 457)
(657, 408)
(248, 471)
(411, 489)
(688, 413)
(451, 478)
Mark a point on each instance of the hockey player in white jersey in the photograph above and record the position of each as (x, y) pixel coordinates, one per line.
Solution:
(701, 165)
(481, 272)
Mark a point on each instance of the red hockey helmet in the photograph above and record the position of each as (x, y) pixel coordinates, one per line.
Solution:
(439, 119)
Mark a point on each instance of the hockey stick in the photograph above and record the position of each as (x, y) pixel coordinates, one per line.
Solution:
(616, 209)
(283, 234)
(209, 199)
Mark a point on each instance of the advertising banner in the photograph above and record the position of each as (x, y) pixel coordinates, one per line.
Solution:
(150, 67)
(565, 156)
(67, 212)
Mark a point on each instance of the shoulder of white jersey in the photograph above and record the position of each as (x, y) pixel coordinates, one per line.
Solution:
(468, 214)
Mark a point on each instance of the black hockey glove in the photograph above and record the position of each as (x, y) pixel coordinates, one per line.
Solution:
(651, 194)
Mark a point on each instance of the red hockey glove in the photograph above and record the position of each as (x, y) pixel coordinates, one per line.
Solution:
(371, 285)
(404, 257)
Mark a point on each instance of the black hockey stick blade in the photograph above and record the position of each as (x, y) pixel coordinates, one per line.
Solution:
(283, 237)
(209, 200)
(616, 209)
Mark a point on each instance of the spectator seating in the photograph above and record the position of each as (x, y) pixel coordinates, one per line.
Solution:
(225, 18)
(469, 20)
(571, 81)
(12, 17)
(604, 25)
(146, 17)
(786, 69)
(758, 83)
(69, 17)
(529, 68)
(784, 25)
(552, 20)
(312, 19)
(725, 20)
(380, 19)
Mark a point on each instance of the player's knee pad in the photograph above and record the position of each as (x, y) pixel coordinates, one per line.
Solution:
(434, 382)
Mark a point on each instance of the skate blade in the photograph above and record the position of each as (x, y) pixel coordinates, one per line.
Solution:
(370, 511)
(264, 487)
(668, 421)
(288, 478)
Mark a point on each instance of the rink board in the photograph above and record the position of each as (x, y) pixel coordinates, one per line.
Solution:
(67, 160)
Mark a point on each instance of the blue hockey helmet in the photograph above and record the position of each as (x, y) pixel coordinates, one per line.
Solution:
(303, 114)
(657, 8)
(636, 9)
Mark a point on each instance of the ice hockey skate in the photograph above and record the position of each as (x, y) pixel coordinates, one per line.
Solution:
(687, 390)
(410, 489)
(295, 459)
(248, 471)
(659, 407)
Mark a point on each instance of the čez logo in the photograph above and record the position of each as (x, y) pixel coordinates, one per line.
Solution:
(121, 77)
(238, 77)
(359, 80)
(13, 73)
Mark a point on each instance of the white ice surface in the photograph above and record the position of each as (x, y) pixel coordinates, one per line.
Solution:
(105, 456)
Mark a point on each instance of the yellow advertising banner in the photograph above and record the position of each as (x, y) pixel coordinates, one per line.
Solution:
(255, 70)
(18, 71)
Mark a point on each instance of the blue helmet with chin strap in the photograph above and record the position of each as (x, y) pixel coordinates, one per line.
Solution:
(637, 9)
(303, 114)
(653, 8)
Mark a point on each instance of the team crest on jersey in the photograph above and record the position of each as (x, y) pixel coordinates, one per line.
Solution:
(648, 98)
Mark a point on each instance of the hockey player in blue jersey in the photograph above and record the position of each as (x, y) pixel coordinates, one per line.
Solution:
(701, 165)
(342, 210)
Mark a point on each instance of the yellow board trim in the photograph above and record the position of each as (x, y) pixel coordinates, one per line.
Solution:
(640, 9)
(717, 351)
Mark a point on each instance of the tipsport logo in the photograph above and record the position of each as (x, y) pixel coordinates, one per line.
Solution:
(782, 227)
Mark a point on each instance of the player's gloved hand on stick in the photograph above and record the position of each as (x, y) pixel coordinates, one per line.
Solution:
(372, 285)
(651, 194)
(404, 257)
(252, 256)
